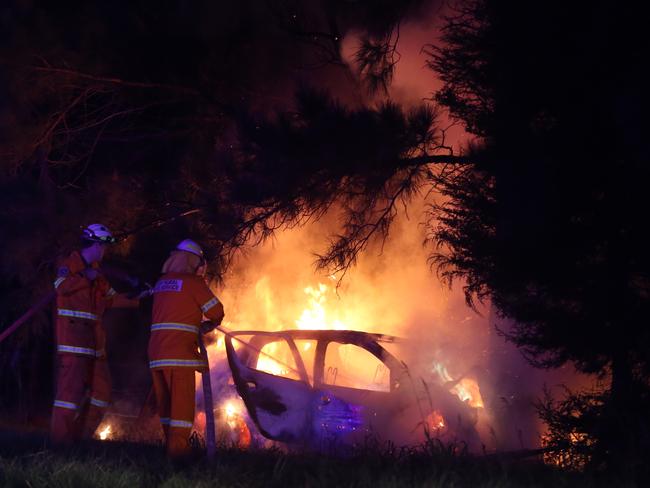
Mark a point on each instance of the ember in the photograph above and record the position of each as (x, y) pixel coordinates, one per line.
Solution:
(231, 412)
(235, 418)
(105, 432)
(435, 421)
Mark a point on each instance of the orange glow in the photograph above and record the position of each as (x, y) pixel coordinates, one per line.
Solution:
(315, 315)
(232, 412)
(466, 389)
(435, 421)
(323, 312)
(240, 434)
(276, 288)
(276, 362)
(105, 432)
(346, 365)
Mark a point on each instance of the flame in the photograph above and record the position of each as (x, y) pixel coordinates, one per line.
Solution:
(315, 315)
(274, 287)
(235, 419)
(435, 421)
(348, 365)
(232, 412)
(466, 389)
(567, 457)
(270, 361)
(105, 432)
(278, 360)
(319, 314)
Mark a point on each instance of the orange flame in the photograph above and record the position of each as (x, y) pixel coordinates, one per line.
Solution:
(274, 288)
(236, 423)
(466, 389)
(315, 316)
(105, 432)
(435, 421)
(277, 359)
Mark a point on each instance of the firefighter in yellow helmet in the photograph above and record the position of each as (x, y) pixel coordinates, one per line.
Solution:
(182, 300)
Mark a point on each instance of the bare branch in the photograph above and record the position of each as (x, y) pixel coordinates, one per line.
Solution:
(115, 81)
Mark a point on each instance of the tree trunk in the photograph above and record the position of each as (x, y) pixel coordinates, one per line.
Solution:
(620, 420)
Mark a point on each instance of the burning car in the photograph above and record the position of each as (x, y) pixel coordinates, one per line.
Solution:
(316, 388)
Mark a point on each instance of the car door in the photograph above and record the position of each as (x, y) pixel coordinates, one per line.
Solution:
(358, 391)
(271, 378)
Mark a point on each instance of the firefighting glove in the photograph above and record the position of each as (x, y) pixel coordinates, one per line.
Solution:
(142, 291)
(207, 326)
(91, 273)
(147, 291)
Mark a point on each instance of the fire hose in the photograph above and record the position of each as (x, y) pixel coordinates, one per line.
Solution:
(210, 437)
(155, 224)
(43, 302)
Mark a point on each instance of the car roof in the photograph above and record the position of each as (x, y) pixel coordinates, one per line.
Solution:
(319, 334)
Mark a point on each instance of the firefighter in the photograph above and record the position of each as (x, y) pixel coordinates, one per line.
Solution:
(182, 300)
(83, 386)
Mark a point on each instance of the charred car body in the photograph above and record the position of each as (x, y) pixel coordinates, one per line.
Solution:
(316, 388)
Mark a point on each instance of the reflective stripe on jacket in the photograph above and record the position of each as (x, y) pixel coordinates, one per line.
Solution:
(175, 326)
(80, 314)
(83, 351)
(180, 302)
(80, 306)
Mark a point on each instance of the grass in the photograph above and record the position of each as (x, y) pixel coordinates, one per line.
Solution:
(27, 461)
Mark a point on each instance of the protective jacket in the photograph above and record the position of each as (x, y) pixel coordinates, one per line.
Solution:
(80, 304)
(180, 302)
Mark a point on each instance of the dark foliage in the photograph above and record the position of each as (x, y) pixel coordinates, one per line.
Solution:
(550, 224)
(365, 161)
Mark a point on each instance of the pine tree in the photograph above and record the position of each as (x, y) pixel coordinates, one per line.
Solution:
(550, 222)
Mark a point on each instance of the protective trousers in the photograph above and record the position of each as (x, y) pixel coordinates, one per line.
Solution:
(83, 393)
(175, 390)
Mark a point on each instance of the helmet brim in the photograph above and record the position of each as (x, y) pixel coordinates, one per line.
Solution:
(100, 239)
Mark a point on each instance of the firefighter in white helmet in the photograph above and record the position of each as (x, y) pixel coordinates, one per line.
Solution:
(182, 299)
(83, 382)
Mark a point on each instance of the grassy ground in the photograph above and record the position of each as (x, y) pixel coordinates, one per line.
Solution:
(27, 461)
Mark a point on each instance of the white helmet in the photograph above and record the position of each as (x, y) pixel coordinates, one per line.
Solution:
(98, 233)
(188, 245)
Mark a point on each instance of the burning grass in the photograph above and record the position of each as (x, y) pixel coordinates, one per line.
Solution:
(26, 461)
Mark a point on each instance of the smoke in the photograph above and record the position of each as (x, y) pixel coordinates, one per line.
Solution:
(392, 290)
